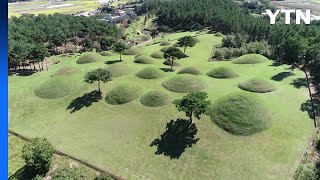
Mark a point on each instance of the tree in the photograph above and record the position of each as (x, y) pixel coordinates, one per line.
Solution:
(38, 155)
(186, 41)
(106, 43)
(154, 33)
(173, 53)
(119, 48)
(38, 53)
(98, 75)
(193, 104)
(87, 44)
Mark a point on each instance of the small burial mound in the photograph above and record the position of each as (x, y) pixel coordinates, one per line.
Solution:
(133, 51)
(55, 88)
(223, 73)
(106, 53)
(157, 55)
(250, 59)
(184, 83)
(168, 63)
(164, 49)
(122, 94)
(65, 71)
(150, 73)
(155, 99)
(117, 70)
(143, 59)
(257, 85)
(241, 114)
(88, 58)
(165, 43)
(190, 70)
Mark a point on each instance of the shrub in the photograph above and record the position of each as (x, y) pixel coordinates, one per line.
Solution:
(258, 48)
(218, 34)
(122, 94)
(143, 59)
(305, 172)
(241, 114)
(184, 83)
(222, 72)
(190, 70)
(250, 59)
(150, 73)
(228, 53)
(38, 155)
(88, 58)
(219, 54)
(155, 99)
(257, 85)
(104, 177)
(239, 52)
(157, 55)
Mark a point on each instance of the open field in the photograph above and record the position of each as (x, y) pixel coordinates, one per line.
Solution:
(42, 7)
(117, 138)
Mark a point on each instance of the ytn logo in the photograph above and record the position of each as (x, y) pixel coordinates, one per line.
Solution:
(299, 15)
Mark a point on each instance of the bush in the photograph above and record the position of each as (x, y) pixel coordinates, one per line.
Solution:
(219, 54)
(38, 155)
(157, 55)
(218, 34)
(122, 94)
(104, 177)
(305, 172)
(228, 53)
(155, 99)
(68, 174)
(150, 73)
(241, 114)
(250, 59)
(88, 58)
(190, 70)
(143, 59)
(184, 83)
(239, 52)
(222, 72)
(257, 85)
(258, 48)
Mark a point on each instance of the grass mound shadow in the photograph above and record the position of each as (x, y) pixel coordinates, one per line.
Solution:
(85, 100)
(112, 62)
(179, 135)
(166, 69)
(281, 76)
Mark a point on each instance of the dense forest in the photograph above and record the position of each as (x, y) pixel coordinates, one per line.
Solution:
(291, 44)
(35, 37)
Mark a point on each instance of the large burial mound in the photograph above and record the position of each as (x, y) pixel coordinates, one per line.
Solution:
(155, 99)
(122, 94)
(257, 85)
(106, 53)
(143, 59)
(250, 59)
(165, 43)
(157, 55)
(184, 83)
(66, 71)
(222, 72)
(150, 73)
(133, 51)
(164, 49)
(89, 58)
(55, 88)
(190, 70)
(117, 70)
(241, 114)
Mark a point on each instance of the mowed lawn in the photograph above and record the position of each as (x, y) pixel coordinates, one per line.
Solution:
(117, 137)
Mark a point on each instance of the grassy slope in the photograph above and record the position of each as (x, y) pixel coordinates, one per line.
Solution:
(117, 138)
(34, 7)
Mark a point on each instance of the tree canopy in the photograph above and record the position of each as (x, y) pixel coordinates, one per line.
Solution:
(98, 75)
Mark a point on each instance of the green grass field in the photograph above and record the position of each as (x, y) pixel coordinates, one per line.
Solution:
(117, 137)
(42, 7)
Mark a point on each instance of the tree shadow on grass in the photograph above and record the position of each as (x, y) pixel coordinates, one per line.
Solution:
(281, 76)
(299, 82)
(23, 72)
(166, 69)
(112, 62)
(276, 64)
(306, 107)
(85, 100)
(179, 135)
(23, 173)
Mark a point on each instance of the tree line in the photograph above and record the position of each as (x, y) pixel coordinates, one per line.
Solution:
(34, 37)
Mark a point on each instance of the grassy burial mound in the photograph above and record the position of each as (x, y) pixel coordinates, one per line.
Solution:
(190, 70)
(88, 58)
(106, 53)
(164, 49)
(143, 59)
(122, 94)
(55, 88)
(250, 59)
(168, 63)
(184, 83)
(223, 73)
(257, 85)
(133, 51)
(165, 43)
(157, 55)
(117, 70)
(66, 71)
(155, 99)
(150, 73)
(241, 114)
